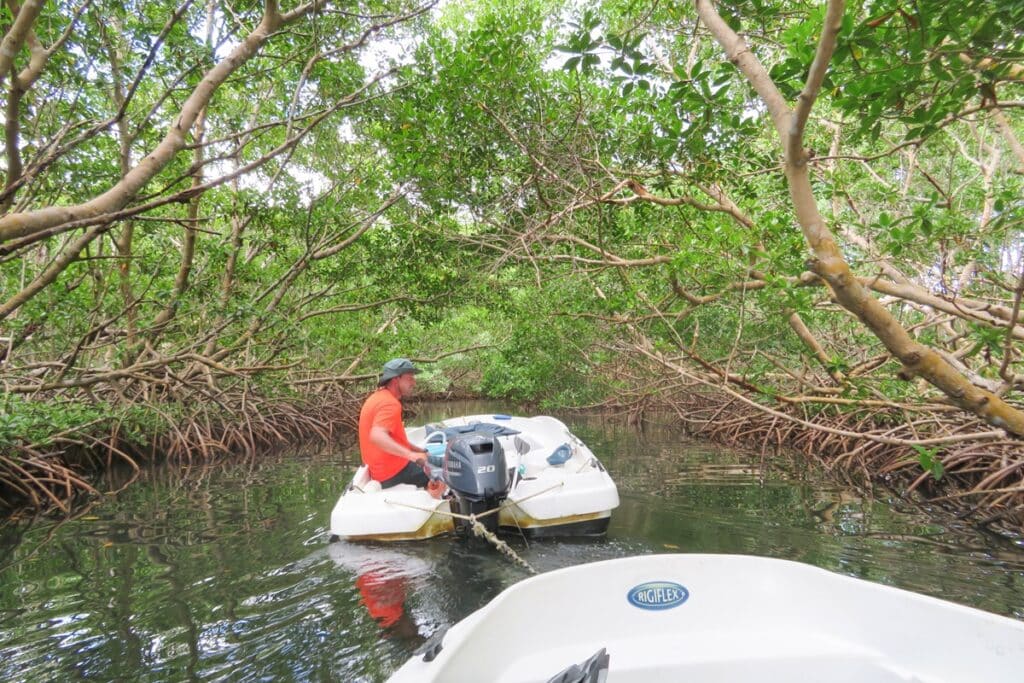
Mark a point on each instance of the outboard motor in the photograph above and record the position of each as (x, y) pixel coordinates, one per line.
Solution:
(474, 469)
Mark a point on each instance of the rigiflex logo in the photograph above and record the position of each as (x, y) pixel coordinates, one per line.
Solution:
(657, 595)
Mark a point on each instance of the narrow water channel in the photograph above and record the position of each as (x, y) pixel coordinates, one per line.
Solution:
(225, 572)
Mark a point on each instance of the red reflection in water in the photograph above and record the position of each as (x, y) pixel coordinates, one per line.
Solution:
(383, 595)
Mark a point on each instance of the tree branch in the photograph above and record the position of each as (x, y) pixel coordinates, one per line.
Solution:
(117, 197)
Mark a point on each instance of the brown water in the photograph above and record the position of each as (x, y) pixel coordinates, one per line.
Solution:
(225, 573)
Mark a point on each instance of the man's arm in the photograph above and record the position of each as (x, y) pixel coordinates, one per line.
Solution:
(379, 437)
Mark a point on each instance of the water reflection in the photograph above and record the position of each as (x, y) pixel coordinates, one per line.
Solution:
(412, 589)
(225, 573)
(385, 577)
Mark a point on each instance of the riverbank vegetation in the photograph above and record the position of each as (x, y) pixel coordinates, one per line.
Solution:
(793, 225)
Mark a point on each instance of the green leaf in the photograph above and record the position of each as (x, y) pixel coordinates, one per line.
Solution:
(929, 461)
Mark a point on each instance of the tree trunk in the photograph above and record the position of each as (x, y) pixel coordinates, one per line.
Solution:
(828, 261)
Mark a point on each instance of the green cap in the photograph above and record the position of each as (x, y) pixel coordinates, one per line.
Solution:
(396, 367)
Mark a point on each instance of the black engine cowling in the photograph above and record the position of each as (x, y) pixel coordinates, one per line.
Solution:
(475, 470)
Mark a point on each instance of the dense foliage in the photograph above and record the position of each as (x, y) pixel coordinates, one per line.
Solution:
(808, 207)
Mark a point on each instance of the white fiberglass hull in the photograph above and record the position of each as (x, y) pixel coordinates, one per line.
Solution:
(721, 618)
(365, 512)
(574, 497)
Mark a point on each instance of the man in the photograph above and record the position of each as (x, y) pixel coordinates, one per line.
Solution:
(386, 450)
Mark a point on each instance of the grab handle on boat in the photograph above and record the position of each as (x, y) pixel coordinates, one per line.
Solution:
(589, 671)
(430, 649)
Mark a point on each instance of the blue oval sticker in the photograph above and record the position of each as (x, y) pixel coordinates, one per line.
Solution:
(657, 595)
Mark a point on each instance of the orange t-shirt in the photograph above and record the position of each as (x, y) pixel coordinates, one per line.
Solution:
(384, 410)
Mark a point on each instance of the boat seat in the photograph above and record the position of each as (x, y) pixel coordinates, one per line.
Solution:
(362, 482)
(371, 486)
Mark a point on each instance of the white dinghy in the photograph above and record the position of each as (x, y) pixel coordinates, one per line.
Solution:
(526, 475)
(717, 618)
